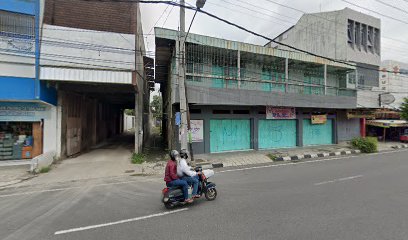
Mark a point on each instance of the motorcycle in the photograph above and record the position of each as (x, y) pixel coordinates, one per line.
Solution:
(172, 197)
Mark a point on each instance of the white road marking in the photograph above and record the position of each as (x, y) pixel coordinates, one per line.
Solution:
(339, 180)
(118, 222)
(305, 162)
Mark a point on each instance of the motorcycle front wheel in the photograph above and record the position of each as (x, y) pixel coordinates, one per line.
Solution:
(211, 194)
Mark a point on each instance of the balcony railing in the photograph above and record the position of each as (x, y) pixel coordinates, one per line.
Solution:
(268, 86)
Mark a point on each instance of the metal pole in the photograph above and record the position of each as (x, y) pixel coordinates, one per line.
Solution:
(182, 75)
(137, 103)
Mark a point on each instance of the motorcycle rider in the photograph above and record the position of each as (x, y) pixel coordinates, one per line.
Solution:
(185, 173)
(171, 178)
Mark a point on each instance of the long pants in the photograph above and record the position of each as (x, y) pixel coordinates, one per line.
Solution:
(192, 181)
(181, 183)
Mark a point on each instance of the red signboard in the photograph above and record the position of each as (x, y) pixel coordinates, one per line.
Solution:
(280, 113)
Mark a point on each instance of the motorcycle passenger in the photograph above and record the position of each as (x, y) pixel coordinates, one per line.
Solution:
(185, 173)
(171, 178)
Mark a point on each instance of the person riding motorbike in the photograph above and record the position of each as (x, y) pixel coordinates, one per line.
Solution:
(171, 178)
(185, 173)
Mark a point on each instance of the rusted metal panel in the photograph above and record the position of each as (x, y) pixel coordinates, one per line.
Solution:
(85, 75)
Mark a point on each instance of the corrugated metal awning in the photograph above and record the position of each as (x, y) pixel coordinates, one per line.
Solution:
(85, 75)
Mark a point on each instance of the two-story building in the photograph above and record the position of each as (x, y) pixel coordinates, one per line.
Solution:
(243, 96)
(27, 104)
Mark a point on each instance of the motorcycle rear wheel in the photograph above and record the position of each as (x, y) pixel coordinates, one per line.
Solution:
(169, 205)
(211, 194)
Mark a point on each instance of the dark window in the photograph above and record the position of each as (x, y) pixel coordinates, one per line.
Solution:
(221, 111)
(377, 41)
(350, 32)
(241, 111)
(364, 37)
(17, 25)
(357, 36)
(262, 112)
(195, 111)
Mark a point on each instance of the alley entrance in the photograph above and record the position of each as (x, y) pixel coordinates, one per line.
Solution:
(91, 114)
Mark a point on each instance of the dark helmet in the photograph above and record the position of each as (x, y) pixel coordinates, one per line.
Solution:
(184, 154)
(174, 154)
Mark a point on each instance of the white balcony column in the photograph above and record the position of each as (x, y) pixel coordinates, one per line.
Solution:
(325, 78)
(239, 68)
(286, 74)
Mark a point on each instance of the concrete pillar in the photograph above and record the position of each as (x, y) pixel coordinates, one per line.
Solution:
(299, 130)
(363, 127)
(286, 74)
(325, 78)
(239, 68)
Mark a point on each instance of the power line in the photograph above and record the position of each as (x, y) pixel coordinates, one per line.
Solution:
(392, 6)
(393, 18)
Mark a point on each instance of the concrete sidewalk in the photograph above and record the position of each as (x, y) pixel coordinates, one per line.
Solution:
(111, 159)
(229, 159)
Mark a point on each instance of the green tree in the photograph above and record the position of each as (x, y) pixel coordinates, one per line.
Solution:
(404, 109)
(130, 112)
(157, 106)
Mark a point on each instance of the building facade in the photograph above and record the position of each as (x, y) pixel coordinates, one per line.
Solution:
(394, 83)
(345, 35)
(27, 104)
(244, 96)
(93, 53)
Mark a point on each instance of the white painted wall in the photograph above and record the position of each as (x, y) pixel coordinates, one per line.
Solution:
(71, 47)
(50, 131)
(394, 82)
(128, 122)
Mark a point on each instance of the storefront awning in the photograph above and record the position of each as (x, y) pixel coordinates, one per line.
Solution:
(387, 123)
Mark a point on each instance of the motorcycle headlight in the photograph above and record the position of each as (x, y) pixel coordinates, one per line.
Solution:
(166, 199)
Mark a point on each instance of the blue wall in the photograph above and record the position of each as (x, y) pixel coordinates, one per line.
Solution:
(47, 93)
(19, 6)
(15, 88)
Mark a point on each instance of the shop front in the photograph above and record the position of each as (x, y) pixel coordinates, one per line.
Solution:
(21, 129)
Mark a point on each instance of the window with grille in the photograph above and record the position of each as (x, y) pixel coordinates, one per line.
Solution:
(17, 25)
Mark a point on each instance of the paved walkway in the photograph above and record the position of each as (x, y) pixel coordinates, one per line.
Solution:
(111, 159)
(229, 159)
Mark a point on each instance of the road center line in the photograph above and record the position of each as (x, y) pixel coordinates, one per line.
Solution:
(338, 180)
(118, 222)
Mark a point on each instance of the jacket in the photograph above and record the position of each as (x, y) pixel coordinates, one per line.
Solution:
(184, 170)
(170, 173)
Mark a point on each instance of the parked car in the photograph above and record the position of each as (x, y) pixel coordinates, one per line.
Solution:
(404, 136)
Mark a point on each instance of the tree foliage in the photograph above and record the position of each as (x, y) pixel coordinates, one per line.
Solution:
(157, 107)
(404, 109)
(130, 112)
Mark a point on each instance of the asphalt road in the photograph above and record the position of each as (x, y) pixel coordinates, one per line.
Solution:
(360, 197)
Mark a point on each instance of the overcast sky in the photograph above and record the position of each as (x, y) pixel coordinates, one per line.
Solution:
(270, 19)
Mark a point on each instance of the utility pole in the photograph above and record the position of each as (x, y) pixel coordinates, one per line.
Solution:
(138, 91)
(182, 77)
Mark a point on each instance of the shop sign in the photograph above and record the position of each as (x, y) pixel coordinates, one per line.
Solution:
(24, 111)
(360, 114)
(280, 113)
(319, 119)
(197, 130)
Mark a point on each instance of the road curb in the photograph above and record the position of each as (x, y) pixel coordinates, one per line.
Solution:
(304, 156)
(400, 146)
